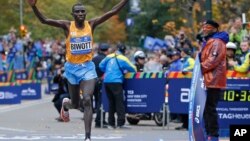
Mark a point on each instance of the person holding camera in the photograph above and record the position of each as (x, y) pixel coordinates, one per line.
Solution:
(60, 90)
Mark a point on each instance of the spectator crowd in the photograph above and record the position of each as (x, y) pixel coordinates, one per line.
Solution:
(25, 54)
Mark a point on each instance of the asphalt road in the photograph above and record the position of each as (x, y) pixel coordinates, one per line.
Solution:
(35, 121)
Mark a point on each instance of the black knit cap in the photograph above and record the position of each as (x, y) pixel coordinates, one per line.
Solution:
(212, 23)
(121, 47)
(103, 46)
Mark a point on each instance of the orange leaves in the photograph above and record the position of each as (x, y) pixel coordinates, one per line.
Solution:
(170, 27)
(113, 31)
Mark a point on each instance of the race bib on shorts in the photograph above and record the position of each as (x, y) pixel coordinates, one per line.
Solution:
(80, 45)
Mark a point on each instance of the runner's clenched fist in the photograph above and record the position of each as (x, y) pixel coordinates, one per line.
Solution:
(32, 2)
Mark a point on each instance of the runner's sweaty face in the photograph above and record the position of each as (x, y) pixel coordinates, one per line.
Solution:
(79, 13)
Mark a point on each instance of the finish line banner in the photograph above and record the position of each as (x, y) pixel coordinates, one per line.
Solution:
(144, 92)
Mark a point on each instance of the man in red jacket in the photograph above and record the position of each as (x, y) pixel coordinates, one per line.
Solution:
(213, 66)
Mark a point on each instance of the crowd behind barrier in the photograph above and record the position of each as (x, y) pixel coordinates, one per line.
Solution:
(43, 57)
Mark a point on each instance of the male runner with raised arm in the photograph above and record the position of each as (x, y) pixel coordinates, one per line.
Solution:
(79, 68)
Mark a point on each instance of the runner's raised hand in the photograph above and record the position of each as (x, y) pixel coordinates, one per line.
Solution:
(32, 2)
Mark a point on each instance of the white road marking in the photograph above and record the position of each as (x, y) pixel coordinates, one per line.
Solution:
(15, 130)
(26, 104)
(58, 137)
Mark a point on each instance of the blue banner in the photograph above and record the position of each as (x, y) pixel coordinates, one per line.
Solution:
(196, 104)
(159, 44)
(31, 91)
(233, 107)
(149, 43)
(10, 94)
(234, 104)
(145, 95)
(142, 95)
(179, 92)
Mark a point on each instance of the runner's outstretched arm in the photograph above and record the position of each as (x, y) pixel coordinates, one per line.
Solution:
(95, 22)
(56, 23)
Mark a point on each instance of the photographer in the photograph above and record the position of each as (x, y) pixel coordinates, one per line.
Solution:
(61, 91)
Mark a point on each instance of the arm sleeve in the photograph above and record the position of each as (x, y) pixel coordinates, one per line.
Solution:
(103, 64)
(245, 66)
(190, 65)
(234, 37)
(127, 65)
(216, 55)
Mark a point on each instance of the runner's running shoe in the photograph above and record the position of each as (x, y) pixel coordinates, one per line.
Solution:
(87, 139)
(65, 114)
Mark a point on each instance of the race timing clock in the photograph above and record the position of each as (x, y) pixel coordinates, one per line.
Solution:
(236, 95)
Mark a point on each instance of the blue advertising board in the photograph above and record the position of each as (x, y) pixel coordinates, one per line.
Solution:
(233, 107)
(31, 91)
(178, 95)
(10, 94)
(143, 93)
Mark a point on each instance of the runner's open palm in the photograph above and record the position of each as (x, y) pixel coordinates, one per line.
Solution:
(32, 2)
